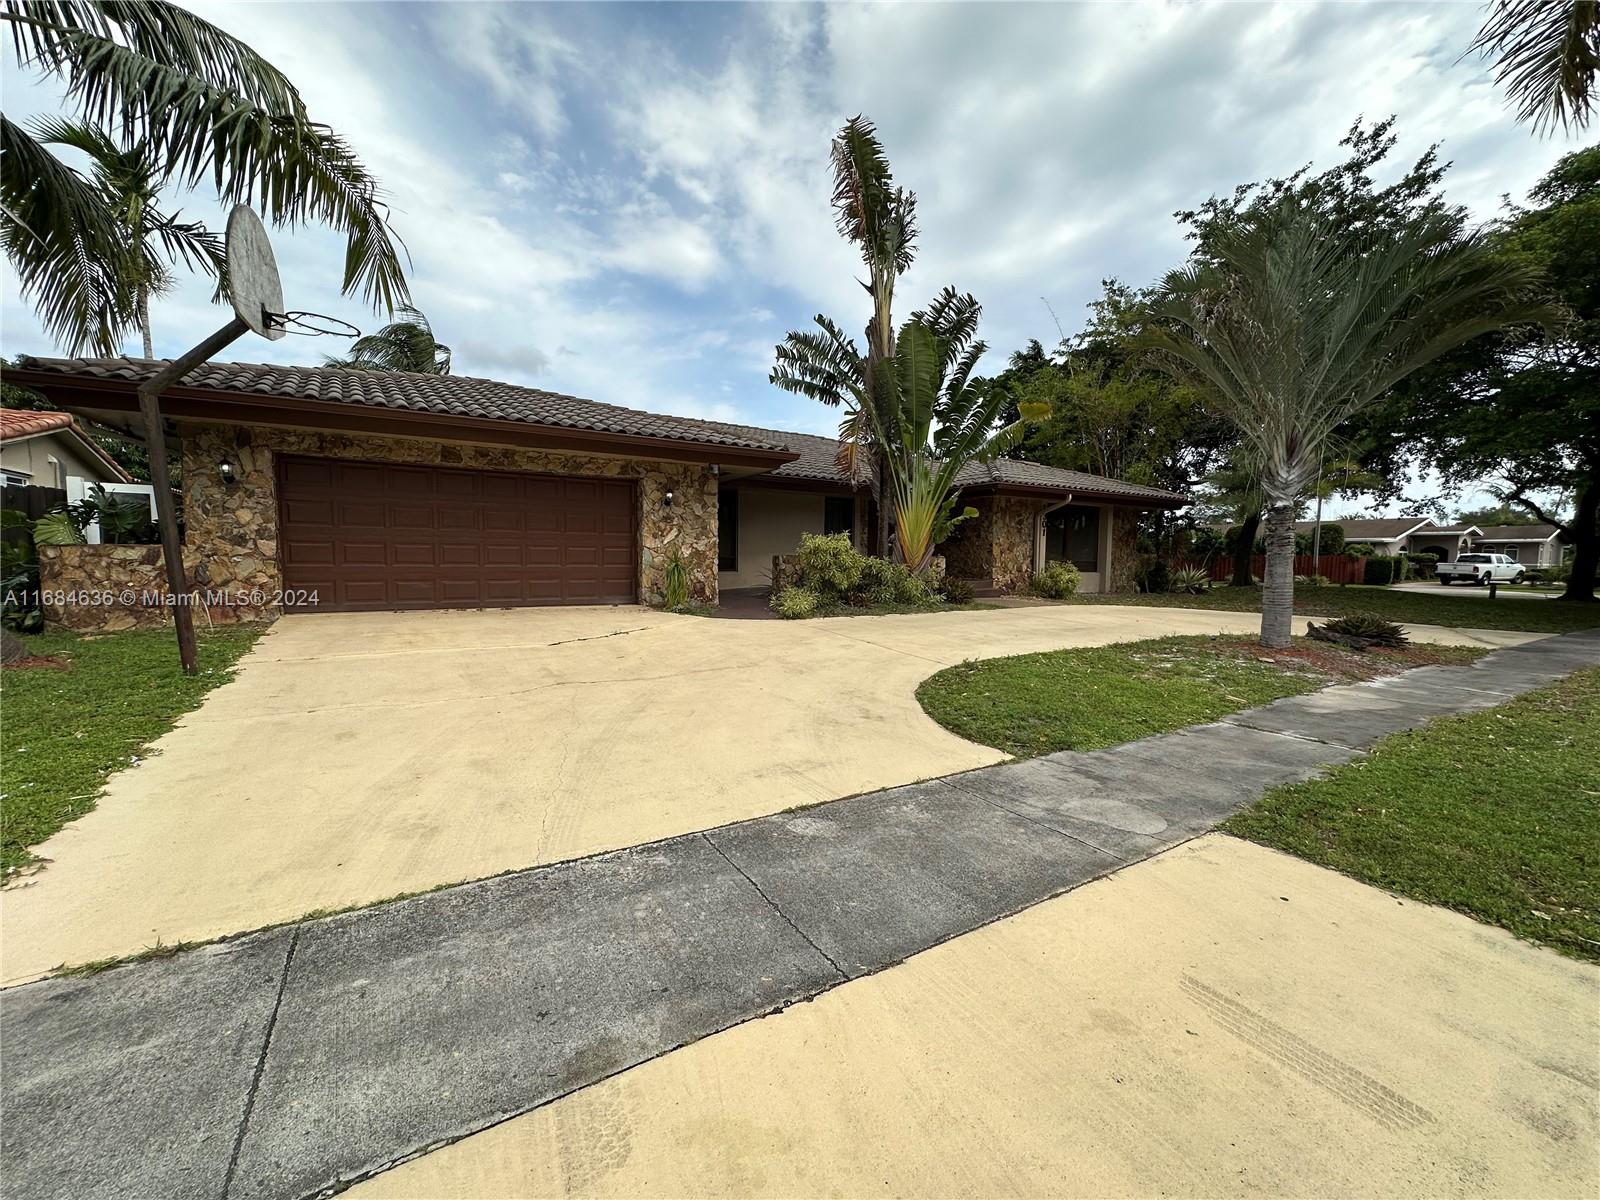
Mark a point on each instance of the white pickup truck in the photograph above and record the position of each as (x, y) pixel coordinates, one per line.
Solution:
(1480, 568)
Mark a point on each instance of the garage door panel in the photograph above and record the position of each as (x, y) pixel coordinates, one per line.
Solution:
(361, 554)
(415, 554)
(377, 536)
(354, 515)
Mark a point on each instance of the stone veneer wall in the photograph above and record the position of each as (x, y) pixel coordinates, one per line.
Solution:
(969, 550)
(103, 589)
(1124, 550)
(231, 538)
(1014, 522)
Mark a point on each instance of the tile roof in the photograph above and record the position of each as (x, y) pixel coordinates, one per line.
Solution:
(1002, 472)
(23, 422)
(817, 462)
(464, 396)
(1363, 529)
(451, 395)
(1517, 533)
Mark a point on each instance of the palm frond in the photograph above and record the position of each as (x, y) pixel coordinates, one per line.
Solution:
(1547, 53)
(66, 245)
(208, 108)
(407, 344)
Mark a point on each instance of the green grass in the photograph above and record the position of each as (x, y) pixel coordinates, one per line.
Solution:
(62, 732)
(1086, 699)
(1495, 814)
(1447, 606)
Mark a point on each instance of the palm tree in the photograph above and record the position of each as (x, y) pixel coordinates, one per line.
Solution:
(1300, 321)
(202, 107)
(880, 220)
(404, 345)
(129, 184)
(930, 422)
(1548, 53)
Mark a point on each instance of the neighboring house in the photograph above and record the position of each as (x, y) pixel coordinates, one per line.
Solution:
(1401, 535)
(45, 449)
(384, 490)
(1531, 545)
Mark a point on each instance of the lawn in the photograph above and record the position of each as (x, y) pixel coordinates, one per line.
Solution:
(1447, 606)
(62, 732)
(1495, 814)
(1089, 698)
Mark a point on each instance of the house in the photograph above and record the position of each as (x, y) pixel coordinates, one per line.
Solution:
(388, 490)
(1531, 545)
(45, 449)
(1401, 535)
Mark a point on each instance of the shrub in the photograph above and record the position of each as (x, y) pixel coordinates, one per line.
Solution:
(1056, 582)
(1190, 581)
(1422, 565)
(829, 565)
(1382, 569)
(1312, 581)
(956, 591)
(1332, 538)
(1153, 576)
(795, 603)
(1369, 628)
(675, 589)
(1360, 549)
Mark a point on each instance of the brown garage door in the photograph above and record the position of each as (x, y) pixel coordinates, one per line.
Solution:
(379, 536)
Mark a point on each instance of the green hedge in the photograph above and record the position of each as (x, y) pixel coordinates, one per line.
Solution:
(1384, 569)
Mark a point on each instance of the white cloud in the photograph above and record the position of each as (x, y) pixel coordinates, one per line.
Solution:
(612, 202)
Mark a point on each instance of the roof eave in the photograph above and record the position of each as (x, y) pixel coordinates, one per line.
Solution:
(1048, 492)
(249, 408)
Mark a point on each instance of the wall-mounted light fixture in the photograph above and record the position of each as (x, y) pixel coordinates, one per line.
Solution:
(226, 473)
(667, 499)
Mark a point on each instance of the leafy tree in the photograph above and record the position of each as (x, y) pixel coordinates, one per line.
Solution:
(404, 345)
(1496, 514)
(1299, 317)
(1111, 413)
(1547, 53)
(826, 365)
(1525, 406)
(202, 107)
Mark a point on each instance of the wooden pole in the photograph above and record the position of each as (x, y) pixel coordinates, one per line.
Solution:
(156, 443)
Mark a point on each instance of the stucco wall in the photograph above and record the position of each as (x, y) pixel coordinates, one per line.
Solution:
(31, 456)
(771, 521)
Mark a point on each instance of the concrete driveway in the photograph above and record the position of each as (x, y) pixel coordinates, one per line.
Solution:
(1219, 1020)
(361, 756)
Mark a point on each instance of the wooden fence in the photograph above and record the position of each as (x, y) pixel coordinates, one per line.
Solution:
(32, 501)
(1338, 568)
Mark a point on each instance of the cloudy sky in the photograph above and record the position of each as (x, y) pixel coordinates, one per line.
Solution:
(629, 202)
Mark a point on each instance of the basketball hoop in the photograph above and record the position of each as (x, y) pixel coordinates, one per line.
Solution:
(254, 288)
(310, 324)
(256, 293)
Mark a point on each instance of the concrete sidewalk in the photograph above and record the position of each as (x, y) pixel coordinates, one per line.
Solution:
(297, 1060)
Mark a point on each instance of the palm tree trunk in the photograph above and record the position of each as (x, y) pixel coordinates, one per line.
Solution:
(144, 321)
(1277, 594)
(1244, 551)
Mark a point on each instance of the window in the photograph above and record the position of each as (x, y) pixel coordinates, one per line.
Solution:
(1072, 534)
(1511, 553)
(15, 478)
(727, 530)
(839, 515)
